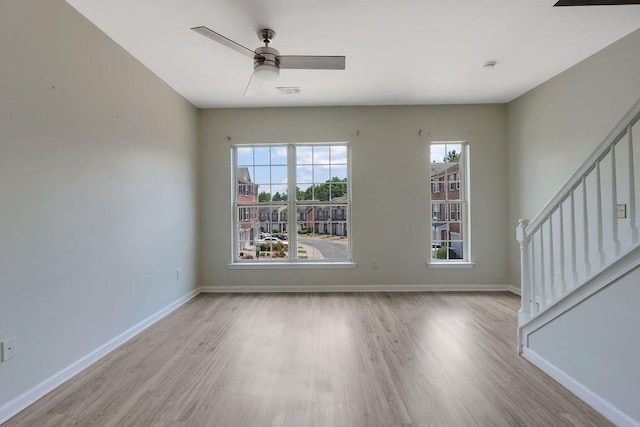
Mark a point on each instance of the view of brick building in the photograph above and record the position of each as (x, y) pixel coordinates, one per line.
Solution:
(247, 216)
(326, 218)
(446, 208)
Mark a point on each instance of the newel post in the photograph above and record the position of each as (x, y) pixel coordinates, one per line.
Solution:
(525, 287)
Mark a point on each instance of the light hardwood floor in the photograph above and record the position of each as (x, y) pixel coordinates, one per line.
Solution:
(376, 359)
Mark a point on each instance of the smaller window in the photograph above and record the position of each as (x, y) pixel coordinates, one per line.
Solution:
(450, 219)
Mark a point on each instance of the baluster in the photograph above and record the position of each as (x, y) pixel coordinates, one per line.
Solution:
(585, 232)
(614, 203)
(552, 273)
(563, 284)
(632, 190)
(534, 291)
(572, 214)
(525, 286)
(543, 293)
(599, 212)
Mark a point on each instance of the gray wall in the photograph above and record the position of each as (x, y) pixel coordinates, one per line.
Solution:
(597, 343)
(97, 190)
(390, 212)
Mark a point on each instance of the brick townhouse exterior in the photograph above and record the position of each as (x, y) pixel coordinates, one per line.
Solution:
(446, 210)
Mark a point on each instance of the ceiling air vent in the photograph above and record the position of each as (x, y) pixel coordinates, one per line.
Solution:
(289, 90)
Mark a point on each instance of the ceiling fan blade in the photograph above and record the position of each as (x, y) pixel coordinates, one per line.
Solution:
(253, 87)
(304, 62)
(595, 2)
(225, 41)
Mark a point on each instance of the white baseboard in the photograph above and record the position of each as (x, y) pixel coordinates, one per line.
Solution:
(354, 288)
(514, 290)
(596, 401)
(25, 399)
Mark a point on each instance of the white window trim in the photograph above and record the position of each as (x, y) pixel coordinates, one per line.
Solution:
(451, 264)
(467, 261)
(285, 265)
(292, 219)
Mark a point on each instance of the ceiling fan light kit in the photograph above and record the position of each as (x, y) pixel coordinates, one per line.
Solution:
(267, 61)
(266, 72)
(266, 65)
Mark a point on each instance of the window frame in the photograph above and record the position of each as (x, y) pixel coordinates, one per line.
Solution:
(461, 183)
(292, 205)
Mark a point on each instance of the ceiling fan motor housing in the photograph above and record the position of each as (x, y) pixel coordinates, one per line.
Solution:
(267, 65)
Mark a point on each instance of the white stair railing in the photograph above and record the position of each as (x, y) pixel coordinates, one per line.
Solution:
(588, 225)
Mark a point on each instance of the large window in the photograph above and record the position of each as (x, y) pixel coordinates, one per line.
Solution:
(291, 203)
(449, 202)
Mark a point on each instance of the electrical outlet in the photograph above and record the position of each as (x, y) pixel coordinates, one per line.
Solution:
(177, 274)
(622, 211)
(374, 264)
(8, 349)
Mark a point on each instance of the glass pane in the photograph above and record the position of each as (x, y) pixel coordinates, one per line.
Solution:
(320, 216)
(336, 249)
(321, 174)
(456, 249)
(278, 174)
(279, 156)
(438, 153)
(438, 214)
(304, 155)
(437, 170)
(247, 192)
(304, 224)
(339, 171)
(321, 155)
(304, 217)
(321, 192)
(246, 250)
(304, 192)
(245, 173)
(279, 193)
(262, 155)
(263, 175)
(338, 190)
(245, 156)
(338, 154)
(304, 174)
(455, 231)
(264, 194)
(454, 211)
(438, 251)
(453, 153)
(339, 212)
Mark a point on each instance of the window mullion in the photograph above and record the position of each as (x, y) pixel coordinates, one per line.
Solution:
(291, 201)
(235, 232)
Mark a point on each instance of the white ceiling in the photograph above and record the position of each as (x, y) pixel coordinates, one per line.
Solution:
(398, 52)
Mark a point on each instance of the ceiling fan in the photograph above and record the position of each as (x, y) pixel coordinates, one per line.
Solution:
(595, 2)
(267, 61)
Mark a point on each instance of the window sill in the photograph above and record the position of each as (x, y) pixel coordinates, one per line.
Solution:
(290, 265)
(457, 264)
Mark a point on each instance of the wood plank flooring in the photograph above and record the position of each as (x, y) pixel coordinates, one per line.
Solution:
(375, 359)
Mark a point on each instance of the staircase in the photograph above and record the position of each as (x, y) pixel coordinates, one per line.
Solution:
(586, 236)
